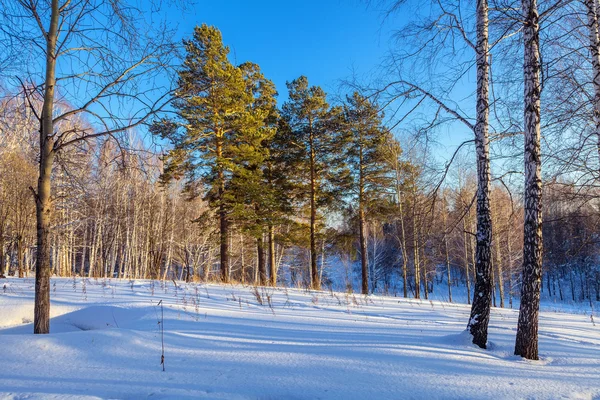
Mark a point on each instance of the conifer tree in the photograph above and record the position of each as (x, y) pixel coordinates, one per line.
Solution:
(367, 158)
(222, 116)
(315, 151)
(252, 195)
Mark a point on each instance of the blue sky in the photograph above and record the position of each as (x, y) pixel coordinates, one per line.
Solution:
(326, 40)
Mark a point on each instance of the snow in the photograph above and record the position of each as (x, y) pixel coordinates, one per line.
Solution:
(221, 343)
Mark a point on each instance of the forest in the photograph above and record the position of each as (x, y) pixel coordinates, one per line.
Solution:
(128, 154)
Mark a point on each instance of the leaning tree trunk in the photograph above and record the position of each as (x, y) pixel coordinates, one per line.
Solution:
(527, 330)
(41, 317)
(480, 310)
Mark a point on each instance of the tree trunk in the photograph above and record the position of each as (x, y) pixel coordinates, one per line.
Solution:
(402, 230)
(314, 273)
(448, 273)
(526, 344)
(41, 319)
(364, 261)
(466, 246)
(20, 256)
(592, 15)
(272, 263)
(223, 222)
(500, 270)
(480, 310)
(2, 259)
(262, 270)
(416, 250)
(403, 247)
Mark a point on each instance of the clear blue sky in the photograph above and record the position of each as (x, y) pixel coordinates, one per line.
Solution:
(326, 40)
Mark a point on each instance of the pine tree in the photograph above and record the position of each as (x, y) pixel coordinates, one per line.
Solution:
(251, 194)
(223, 113)
(315, 153)
(367, 158)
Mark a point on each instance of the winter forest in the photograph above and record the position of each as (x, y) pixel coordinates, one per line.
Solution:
(461, 172)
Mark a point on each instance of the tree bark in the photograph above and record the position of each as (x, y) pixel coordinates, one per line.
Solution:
(416, 248)
(272, 262)
(526, 344)
(364, 261)
(500, 271)
(480, 309)
(448, 272)
(363, 251)
(262, 270)
(397, 170)
(466, 248)
(314, 273)
(41, 319)
(2, 259)
(592, 15)
(223, 222)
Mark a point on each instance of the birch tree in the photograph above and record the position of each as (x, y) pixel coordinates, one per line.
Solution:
(442, 31)
(480, 310)
(526, 344)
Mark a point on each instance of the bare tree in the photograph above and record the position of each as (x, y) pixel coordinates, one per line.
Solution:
(100, 57)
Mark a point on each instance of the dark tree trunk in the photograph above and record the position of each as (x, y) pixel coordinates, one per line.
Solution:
(527, 330)
(482, 296)
(20, 257)
(223, 221)
(224, 244)
(262, 269)
(272, 262)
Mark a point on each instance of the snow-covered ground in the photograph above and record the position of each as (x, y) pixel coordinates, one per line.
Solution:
(221, 343)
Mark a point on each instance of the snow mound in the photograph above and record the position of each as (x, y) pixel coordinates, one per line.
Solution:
(17, 313)
(99, 317)
(463, 338)
(86, 319)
